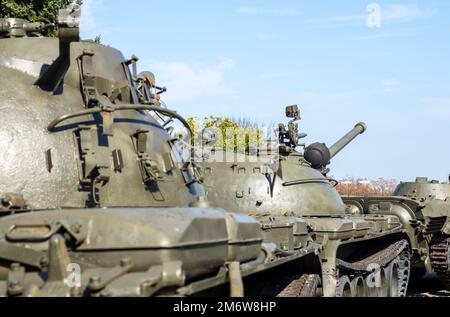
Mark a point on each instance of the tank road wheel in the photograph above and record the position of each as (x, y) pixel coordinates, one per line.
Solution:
(344, 288)
(382, 289)
(369, 284)
(306, 286)
(386, 273)
(391, 281)
(394, 279)
(359, 288)
(377, 283)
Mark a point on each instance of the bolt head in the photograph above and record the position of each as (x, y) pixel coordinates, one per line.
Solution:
(125, 262)
(15, 267)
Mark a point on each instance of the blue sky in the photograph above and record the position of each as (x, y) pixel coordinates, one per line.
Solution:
(252, 58)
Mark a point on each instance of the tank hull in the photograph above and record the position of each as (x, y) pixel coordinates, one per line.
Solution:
(291, 188)
(424, 209)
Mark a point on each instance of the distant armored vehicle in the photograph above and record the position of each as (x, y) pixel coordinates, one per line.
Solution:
(423, 188)
(293, 185)
(423, 207)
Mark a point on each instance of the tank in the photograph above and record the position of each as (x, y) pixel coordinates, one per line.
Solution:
(293, 183)
(423, 188)
(423, 207)
(95, 198)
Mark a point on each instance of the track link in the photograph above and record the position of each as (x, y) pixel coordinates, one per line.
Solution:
(440, 259)
(404, 269)
(381, 258)
(305, 286)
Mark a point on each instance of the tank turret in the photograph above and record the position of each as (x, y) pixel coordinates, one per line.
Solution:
(289, 176)
(423, 188)
(85, 146)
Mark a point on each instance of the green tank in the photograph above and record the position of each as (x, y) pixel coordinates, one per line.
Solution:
(423, 188)
(423, 207)
(95, 198)
(293, 184)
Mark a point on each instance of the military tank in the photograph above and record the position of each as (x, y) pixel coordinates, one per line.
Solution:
(360, 255)
(95, 198)
(423, 207)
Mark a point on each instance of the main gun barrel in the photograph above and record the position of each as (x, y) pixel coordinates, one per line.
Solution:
(360, 128)
(319, 155)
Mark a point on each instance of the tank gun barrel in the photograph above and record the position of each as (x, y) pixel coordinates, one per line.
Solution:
(360, 128)
(319, 155)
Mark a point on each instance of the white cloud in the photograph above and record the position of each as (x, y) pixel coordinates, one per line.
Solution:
(390, 85)
(308, 94)
(325, 99)
(397, 13)
(387, 33)
(268, 11)
(390, 14)
(437, 108)
(186, 81)
(262, 36)
(88, 20)
(273, 75)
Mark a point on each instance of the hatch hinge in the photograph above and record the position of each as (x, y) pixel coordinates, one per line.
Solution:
(132, 77)
(149, 167)
(94, 169)
(192, 173)
(11, 202)
(87, 78)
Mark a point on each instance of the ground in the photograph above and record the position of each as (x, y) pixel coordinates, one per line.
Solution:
(428, 286)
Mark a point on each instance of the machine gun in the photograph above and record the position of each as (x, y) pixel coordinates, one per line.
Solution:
(13, 27)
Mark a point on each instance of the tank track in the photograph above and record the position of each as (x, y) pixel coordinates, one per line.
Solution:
(397, 253)
(306, 286)
(440, 259)
(404, 269)
(382, 258)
